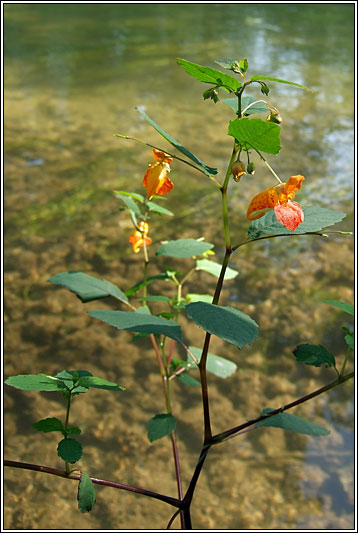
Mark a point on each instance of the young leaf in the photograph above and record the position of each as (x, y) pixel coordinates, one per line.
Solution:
(98, 383)
(184, 248)
(69, 450)
(73, 430)
(219, 366)
(160, 425)
(86, 495)
(87, 287)
(209, 75)
(315, 219)
(268, 78)
(257, 133)
(139, 322)
(139, 197)
(39, 382)
(214, 269)
(187, 379)
(229, 64)
(225, 322)
(152, 206)
(292, 423)
(191, 298)
(343, 306)
(314, 355)
(49, 424)
(209, 171)
(138, 286)
(130, 204)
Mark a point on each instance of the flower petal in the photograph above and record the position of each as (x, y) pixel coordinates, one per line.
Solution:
(289, 215)
(262, 202)
(160, 156)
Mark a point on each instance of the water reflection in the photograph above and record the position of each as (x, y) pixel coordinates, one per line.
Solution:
(73, 74)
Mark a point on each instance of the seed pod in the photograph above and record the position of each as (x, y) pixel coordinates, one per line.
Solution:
(274, 117)
(237, 170)
(250, 169)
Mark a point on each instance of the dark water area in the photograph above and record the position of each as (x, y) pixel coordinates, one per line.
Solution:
(73, 75)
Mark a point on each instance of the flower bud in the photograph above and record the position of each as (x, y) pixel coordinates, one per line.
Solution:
(250, 169)
(237, 170)
(274, 117)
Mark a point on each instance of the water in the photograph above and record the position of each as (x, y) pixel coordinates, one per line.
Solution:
(73, 76)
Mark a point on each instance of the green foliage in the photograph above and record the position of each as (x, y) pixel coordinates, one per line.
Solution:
(217, 365)
(160, 425)
(260, 107)
(256, 133)
(209, 171)
(314, 355)
(315, 219)
(86, 494)
(130, 204)
(70, 450)
(87, 287)
(139, 322)
(210, 75)
(49, 424)
(138, 286)
(226, 322)
(192, 297)
(184, 248)
(213, 268)
(98, 383)
(278, 80)
(292, 423)
(39, 382)
(343, 306)
(156, 208)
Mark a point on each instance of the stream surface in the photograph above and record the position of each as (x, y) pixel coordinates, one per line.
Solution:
(73, 75)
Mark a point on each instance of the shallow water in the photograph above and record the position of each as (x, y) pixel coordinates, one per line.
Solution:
(73, 75)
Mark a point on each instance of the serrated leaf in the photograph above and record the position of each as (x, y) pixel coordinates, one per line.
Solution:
(209, 75)
(256, 133)
(86, 494)
(39, 382)
(217, 365)
(260, 107)
(226, 322)
(130, 204)
(314, 355)
(315, 219)
(187, 379)
(213, 268)
(134, 195)
(152, 206)
(87, 287)
(69, 450)
(98, 383)
(278, 80)
(343, 306)
(209, 171)
(292, 423)
(48, 424)
(160, 425)
(184, 248)
(139, 322)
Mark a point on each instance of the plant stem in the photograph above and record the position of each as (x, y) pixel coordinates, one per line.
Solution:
(345, 361)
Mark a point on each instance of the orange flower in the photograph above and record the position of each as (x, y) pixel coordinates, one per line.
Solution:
(155, 179)
(279, 198)
(138, 238)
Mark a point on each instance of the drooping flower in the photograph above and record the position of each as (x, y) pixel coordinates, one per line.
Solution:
(155, 179)
(279, 198)
(138, 238)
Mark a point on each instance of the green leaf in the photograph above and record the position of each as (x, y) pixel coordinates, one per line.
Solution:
(138, 286)
(86, 495)
(209, 171)
(314, 355)
(87, 287)
(187, 379)
(260, 107)
(144, 309)
(257, 78)
(49, 424)
(214, 269)
(73, 430)
(315, 219)
(39, 382)
(209, 75)
(292, 423)
(349, 340)
(184, 248)
(343, 306)
(225, 322)
(98, 383)
(221, 367)
(152, 206)
(199, 297)
(157, 299)
(69, 450)
(130, 204)
(257, 133)
(135, 195)
(139, 322)
(229, 64)
(244, 65)
(160, 425)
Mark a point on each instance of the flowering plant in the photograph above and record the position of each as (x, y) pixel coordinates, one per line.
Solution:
(272, 212)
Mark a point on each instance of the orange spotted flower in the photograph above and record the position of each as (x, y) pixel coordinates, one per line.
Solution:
(155, 179)
(138, 238)
(279, 198)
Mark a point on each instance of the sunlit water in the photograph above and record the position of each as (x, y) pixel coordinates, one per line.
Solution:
(73, 76)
